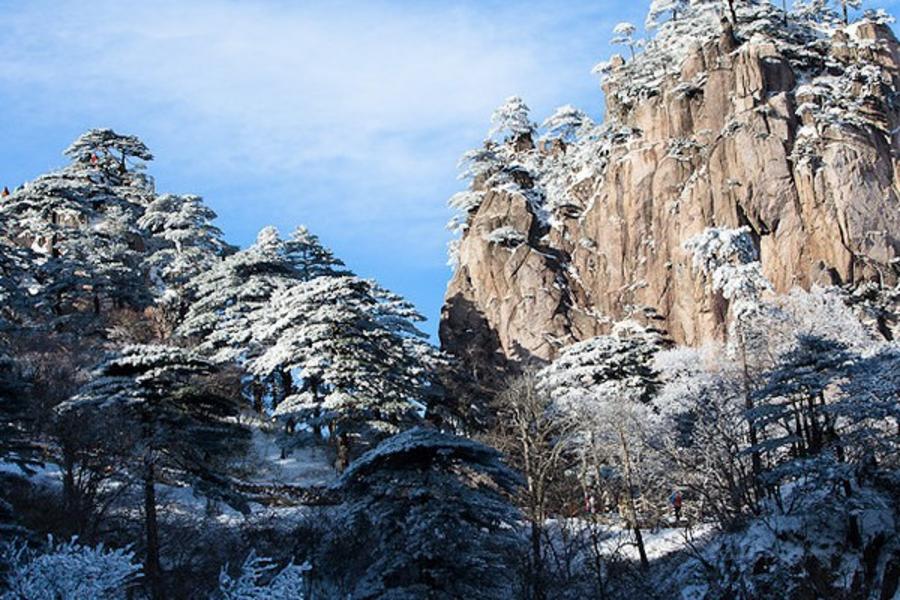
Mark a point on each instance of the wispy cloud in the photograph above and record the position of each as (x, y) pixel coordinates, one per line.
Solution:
(346, 115)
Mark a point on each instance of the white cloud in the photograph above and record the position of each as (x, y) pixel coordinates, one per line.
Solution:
(348, 116)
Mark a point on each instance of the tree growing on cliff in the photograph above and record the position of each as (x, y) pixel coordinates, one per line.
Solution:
(159, 391)
(511, 122)
(103, 148)
(624, 36)
(566, 123)
(659, 8)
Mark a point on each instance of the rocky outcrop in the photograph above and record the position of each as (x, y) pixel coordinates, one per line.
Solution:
(742, 134)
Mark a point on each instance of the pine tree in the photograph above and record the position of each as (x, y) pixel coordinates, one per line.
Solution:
(790, 405)
(659, 8)
(512, 123)
(226, 299)
(106, 149)
(430, 516)
(159, 390)
(566, 124)
(310, 258)
(184, 241)
(624, 36)
(82, 222)
(361, 359)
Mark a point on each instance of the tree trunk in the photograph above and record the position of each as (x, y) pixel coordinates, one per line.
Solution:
(287, 382)
(732, 12)
(152, 570)
(537, 562)
(629, 499)
(343, 451)
(846, 14)
(69, 495)
(755, 457)
(257, 391)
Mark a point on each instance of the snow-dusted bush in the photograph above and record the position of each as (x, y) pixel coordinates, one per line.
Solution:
(506, 235)
(259, 579)
(67, 571)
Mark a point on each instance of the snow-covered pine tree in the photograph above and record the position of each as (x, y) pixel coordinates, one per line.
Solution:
(361, 359)
(227, 298)
(661, 8)
(184, 241)
(566, 124)
(182, 425)
(108, 150)
(311, 259)
(430, 517)
(81, 220)
(867, 409)
(624, 36)
(511, 123)
(791, 400)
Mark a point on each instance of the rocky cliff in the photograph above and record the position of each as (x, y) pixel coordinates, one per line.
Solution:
(789, 127)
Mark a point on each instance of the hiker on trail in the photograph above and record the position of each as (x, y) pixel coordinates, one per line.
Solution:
(5, 192)
(675, 499)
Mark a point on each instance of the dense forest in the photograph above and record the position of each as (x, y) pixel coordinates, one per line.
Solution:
(182, 418)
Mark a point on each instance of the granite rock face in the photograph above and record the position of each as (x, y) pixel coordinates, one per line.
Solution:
(739, 135)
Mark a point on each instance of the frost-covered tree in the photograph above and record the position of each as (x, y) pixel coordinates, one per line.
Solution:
(103, 147)
(605, 384)
(306, 253)
(566, 123)
(185, 241)
(227, 298)
(790, 406)
(81, 221)
(261, 579)
(661, 8)
(430, 517)
(825, 13)
(729, 257)
(182, 424)
(511, 121)
(67, 571)
(624, 36)
(361, 359)
(868, 410)
(703, 414)
(535, 438)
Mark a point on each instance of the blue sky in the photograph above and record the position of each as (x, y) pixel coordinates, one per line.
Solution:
(345, 116)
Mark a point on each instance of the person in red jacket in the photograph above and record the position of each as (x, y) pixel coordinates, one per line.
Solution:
(675, 499)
